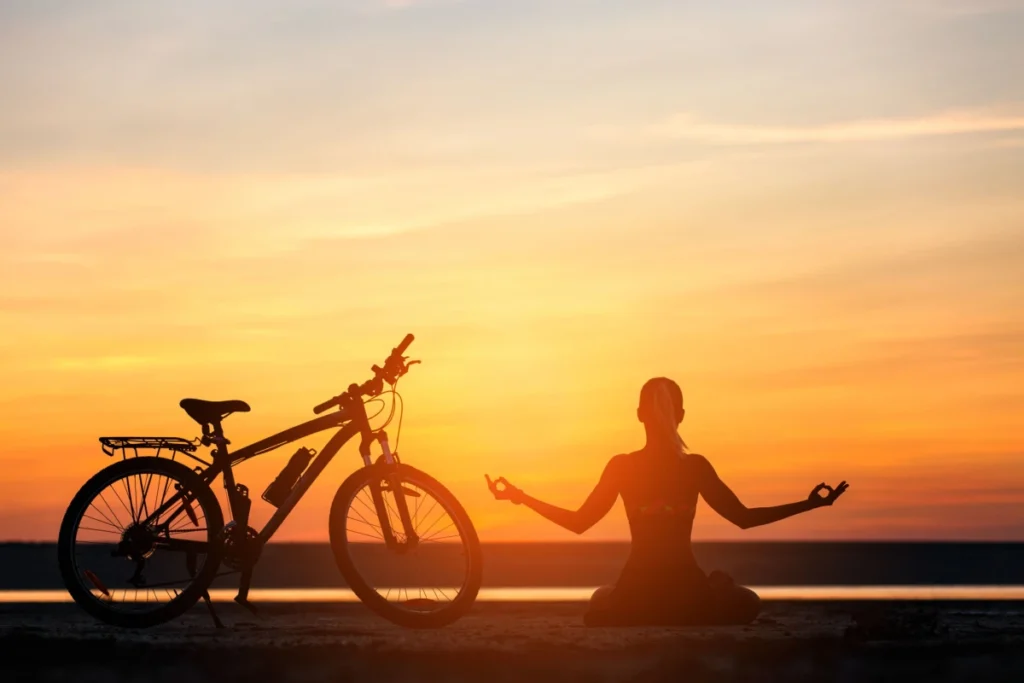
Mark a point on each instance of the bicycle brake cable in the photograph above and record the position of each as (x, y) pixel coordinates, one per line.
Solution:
(401, 414)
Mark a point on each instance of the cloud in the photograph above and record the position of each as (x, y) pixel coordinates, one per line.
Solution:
(691, 128)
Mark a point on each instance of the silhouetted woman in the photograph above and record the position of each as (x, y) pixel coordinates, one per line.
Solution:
(661, 582)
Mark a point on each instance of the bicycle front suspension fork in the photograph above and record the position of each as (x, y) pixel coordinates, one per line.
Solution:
(385, 512)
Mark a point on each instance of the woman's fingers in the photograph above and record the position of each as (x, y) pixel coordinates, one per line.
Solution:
(505, 490)
(493, 486)
(834, 493)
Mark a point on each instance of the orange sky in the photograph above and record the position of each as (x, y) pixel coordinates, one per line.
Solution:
(817, 232)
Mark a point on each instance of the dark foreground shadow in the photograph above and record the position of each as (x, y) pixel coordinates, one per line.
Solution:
(792, 642)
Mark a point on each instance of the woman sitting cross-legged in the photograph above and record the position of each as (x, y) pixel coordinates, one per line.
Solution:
(661, 583)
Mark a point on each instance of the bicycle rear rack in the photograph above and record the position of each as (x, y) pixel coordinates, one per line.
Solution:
(129, 446)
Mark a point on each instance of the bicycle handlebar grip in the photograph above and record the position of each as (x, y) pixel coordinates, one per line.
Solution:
(400, 349)
(325, 406)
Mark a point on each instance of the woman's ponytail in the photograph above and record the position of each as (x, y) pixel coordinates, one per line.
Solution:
(663, 400)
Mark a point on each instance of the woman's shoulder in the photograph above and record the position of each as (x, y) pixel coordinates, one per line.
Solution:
(702, 467)
(697, 457)
(625, 459)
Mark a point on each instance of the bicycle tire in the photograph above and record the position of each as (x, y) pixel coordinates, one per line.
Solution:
(366, 593)
(79, 504)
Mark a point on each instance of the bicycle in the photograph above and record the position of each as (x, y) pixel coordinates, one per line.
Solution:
(174, 539)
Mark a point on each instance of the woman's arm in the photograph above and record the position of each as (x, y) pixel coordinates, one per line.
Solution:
(723, 501)
(594, 508)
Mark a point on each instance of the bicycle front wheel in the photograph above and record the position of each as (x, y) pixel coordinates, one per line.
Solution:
(427, 583)
(140, 542)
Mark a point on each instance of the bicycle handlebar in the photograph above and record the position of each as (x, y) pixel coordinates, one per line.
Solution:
(326, 405)
(400, 349)
(394, 367)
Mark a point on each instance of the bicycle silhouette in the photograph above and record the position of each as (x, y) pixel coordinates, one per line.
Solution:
(161, 521)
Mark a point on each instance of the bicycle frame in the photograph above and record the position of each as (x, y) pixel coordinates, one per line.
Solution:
(350, 421)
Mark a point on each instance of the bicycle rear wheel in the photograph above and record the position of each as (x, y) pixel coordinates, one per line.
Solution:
(428, 584)
(129, 563)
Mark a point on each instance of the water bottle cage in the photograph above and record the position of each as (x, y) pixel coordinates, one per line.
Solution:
(279, 490)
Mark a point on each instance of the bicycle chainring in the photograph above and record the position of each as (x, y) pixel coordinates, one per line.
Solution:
(238, 554)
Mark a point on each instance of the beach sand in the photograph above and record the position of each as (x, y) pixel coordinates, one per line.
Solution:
(538, 642)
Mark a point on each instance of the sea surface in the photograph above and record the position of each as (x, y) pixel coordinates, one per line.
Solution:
(574, 569)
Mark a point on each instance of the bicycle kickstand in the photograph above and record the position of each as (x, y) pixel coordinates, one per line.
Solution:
(213, 613)
(243, 592)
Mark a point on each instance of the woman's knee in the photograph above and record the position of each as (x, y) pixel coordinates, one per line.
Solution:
(746, 604)
(601, 597)
(599, 610)
(734, 604)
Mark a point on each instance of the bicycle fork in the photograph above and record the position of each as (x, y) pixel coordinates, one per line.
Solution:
(392, 483)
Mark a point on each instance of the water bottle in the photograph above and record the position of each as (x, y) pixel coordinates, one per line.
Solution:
(279, 490)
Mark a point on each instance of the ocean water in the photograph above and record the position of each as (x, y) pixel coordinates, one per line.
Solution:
(578, 594)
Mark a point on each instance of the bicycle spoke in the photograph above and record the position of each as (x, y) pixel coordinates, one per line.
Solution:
(103, 514)
(163, 494)
(369, 507)
(106, 543)
(128, 491)
(359, 533)
(371, 510)
(367, 523)
(102, 531)
(443, 514)
(416, 512)
(447, 526)
(101, 521)
(176, 582)
(184, 523)
(109, 508)
(144, 495)
(120, 500)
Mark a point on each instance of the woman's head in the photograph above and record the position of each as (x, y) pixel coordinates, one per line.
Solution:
(661, 411)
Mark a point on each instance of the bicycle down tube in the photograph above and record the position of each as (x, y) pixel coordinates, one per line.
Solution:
(307, 479)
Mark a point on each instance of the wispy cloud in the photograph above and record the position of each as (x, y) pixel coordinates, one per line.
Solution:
(693, 128)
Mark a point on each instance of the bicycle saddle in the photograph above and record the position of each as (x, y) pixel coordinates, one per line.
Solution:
(211, 412)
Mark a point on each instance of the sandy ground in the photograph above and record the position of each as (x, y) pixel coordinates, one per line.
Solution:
(791, 642)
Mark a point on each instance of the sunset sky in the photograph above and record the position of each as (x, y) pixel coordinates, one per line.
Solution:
(810, 214)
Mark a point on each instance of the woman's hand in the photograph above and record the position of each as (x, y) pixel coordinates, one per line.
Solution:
(503, 490)
(819, 500)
